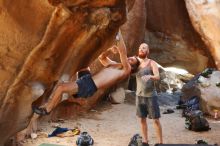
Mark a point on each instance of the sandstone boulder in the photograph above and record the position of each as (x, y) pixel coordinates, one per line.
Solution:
(207, 89)
(204, 15)
(210, 92)
(172, 39)
(62, 38)
(133, 30)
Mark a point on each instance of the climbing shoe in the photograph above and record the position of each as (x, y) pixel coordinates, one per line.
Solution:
(40, 111)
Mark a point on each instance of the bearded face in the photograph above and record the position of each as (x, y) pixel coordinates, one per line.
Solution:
(142, 55)
(143, 51)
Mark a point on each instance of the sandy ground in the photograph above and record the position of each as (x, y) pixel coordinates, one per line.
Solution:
(114, 125)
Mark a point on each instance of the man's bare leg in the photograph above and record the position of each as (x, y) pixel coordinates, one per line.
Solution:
(32, 127)
(56, 96)
(144, 128)
(158, 128)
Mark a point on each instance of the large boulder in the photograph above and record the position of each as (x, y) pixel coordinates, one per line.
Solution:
(133, 30)
(204, 15)
(191, 89)
(172, 38)
(170, 82)
(49, 43)
(207, 88)
(210, 92)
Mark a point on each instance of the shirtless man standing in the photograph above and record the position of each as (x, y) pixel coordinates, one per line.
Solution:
(87, 85)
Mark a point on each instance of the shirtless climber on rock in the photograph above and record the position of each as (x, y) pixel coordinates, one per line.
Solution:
(86, 85)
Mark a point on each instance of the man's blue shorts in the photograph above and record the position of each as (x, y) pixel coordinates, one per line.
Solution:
(86, 86)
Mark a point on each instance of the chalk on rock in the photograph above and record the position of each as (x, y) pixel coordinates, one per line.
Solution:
(33, 135)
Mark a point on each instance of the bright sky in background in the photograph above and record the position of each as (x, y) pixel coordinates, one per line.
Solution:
(176, 70)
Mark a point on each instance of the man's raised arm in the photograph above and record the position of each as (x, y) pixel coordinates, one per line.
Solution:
(104, 59)
(123, 54)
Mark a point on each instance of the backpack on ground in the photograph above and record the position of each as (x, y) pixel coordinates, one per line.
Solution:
(84, 139)
(136, 140)
(196, 122)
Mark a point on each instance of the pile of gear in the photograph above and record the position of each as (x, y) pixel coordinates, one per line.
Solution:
(195, 119)
(136, 140)
(84, 139)
(200, 93)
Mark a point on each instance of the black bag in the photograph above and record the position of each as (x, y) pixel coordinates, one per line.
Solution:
(136, 140)
(196, 122)
(199, 123)
(84, 139)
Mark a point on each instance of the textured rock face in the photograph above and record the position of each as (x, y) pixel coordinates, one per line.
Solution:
(18, 37)
(172, 38)
(134, 29)
(67, 34)
(170, 82)
(207, 88)
(204, 15)
(210, 92)
(20, 31)
(191, 89)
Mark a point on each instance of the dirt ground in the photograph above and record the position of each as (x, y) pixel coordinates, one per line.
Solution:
(114, 125)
